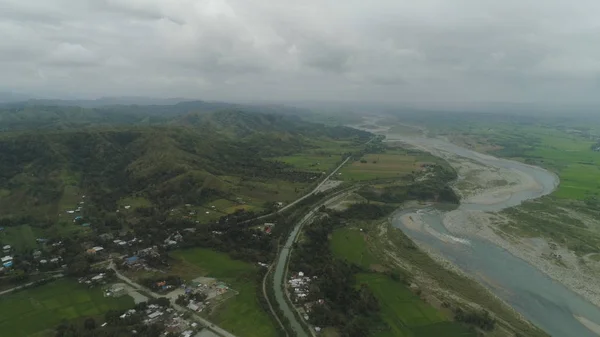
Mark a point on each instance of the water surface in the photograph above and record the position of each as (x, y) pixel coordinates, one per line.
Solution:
(543, 301)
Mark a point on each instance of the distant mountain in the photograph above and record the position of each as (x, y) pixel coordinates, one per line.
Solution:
(10, 97)
(42, 114)
(108, 101)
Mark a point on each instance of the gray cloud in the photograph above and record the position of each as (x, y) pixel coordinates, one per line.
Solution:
(430, 50)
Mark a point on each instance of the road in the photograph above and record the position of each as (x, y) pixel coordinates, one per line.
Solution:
(315, 190)
(209, 325)
(281, 265)
(8, 291)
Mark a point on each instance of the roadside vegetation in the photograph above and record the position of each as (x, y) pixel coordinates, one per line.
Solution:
(373, 280)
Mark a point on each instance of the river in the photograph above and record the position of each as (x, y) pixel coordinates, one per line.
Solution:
(543, 301)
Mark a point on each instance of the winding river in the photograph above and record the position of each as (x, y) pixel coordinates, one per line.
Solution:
(543, 301)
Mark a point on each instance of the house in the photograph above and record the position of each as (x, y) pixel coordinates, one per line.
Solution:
(54, 260)
(7, 261)
(6, 248)
(127, 207)
(193, 307)
(155, 314)
(37, 254)
(106, 236)
(43, 261)
(87, 224)
(132, 260)
(98, 277)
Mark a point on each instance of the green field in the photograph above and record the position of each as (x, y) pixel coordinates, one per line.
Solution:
(392, 164)
(350, 244)
(312, 162)
(37, 311)
(566, 153)
(21, 238)
(405, 313)
(242, 315)
(134, 202)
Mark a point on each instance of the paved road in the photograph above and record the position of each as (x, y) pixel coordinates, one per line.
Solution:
(315, 190)
(8, 291)
(281, 266)
(138, 287)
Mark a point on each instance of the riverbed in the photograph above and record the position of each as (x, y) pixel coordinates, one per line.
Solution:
(542, 300)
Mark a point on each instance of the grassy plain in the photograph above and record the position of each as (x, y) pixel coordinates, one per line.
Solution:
(242, 315)
(382, 248)
(350, 244)
(404, 313)
(391, 164)
(562, 150)
(36, 312)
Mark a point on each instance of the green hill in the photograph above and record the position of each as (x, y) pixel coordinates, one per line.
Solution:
(195, 159)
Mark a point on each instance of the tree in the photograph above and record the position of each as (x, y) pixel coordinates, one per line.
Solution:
(89, 324)
(79, 266)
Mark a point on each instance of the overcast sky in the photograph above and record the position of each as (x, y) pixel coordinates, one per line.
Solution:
(375, 50)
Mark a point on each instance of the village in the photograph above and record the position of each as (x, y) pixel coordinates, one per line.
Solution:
(298, 287)
(107, 256)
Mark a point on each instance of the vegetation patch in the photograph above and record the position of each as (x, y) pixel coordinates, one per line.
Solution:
(380, 166)
(405, 313)
(33, 311)
(242, 315)
(349, 244)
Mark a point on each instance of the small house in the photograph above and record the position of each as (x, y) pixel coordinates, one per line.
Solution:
(6, 248)
(132, 260)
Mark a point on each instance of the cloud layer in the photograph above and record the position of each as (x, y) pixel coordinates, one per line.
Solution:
(378, 50)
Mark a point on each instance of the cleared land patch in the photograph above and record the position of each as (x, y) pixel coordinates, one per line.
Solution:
(380, 166)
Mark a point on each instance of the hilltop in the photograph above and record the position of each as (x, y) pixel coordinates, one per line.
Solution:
(196, 158)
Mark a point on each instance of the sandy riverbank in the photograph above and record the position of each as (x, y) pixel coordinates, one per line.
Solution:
(536, 251)
(488, 185)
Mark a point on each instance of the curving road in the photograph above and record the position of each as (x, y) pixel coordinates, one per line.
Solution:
(281, 295)
(209, 325)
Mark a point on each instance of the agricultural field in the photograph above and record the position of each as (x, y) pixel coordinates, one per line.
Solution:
(405, 313)
(242, 315)
(312, 162)
(392, 164)
(36, 312)
(350, 244)
(23, 238)
(567, 153)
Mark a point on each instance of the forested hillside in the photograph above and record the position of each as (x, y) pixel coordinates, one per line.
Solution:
(181, 159)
